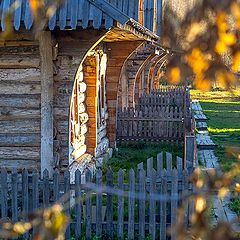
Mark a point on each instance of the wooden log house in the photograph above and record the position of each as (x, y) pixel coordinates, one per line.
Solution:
(58, 94)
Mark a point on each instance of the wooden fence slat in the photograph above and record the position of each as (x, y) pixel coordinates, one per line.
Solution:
(149, 166)
(35, 193)
(120, 205)
(88, 207)
(159, 163)
(185, 193)
(179, 164)
(78, 205)
(152, 217)
(56, 183)
(131, 204)
(14, 195)
(169, 162)
(45, 188)
(163, 206)
(67, 203)
(4, 193)
(109, 210)
(99, 205)
(174, 202)
(25, 197)
(142, 206)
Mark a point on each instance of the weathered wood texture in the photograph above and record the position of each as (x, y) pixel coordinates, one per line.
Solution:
(20, 90)
(46, 53)
(150, 200)
(163, 114)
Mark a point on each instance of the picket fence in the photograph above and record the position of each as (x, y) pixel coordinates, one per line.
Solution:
(142, 204)
(151, 123)
(166, 96)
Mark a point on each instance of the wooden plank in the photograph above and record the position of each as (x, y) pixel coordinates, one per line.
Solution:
(189, 152)
(20, 75)
(20, 101)
(16, 113)
(45, 188)
(5, 9)
(19, 62)
(24, 153)
(28, 18)
(25, 198)
(120, 205)
(110, 10)
(4, 193)
(45, 46)
(19, 164)
(14, 193)
(169, 162)
(142, 204)
(78, 204)
(99, 204)
(35, 191)
(20, 126)
(152, 207)
(149, 166)
(109, 210)
(159, 163)
(174, 202)
(131, 204)
(24, 140)
(67, 196)
(74, 11)
(19, 88)
(63, 15)
(163, 206)
(88, 207)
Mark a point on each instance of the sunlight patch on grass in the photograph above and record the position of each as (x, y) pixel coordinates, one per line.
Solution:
(223, 130)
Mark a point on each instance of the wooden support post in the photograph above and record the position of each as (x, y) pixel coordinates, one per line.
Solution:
(189, 152)
(45, 47)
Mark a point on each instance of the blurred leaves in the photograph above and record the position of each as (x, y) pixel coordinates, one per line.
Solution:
(49, 223)
(206, 41)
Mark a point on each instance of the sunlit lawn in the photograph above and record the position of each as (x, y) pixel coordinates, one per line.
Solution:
(223, 111)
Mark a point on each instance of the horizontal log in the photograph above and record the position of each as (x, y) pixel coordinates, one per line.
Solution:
(60, 113)
(20, 75)
(19, 49)
(20, 101)
(20, 164)
(20, 126)
(62, 100)
(102, 147)
(9, 62)
(8, 113)
(27, 140)
(63, 87)
(21, 153)
(101, 135)
(10, 87)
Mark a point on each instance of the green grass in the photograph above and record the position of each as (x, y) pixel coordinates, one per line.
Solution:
(222, 109)
(235, 205)
(129, 154)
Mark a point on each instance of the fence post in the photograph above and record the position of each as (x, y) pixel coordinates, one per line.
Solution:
(120, 205)
(78, 204)
(131, 204)
(109, 210)
(142, 203)
(189, 151)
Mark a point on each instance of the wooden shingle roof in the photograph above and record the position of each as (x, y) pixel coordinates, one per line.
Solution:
(75, 13)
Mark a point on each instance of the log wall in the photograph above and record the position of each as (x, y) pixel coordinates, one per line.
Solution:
(20, 90)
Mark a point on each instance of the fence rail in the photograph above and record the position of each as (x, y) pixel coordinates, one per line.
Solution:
(136, 203)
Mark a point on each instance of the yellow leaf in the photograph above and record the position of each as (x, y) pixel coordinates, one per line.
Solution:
(237, 187)
(200, 204)
(228, 38)
(202, 84)
(236, 62)
(235, 8)
(174, 75)
(223, 192)
(221, 21)
(221, 47)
